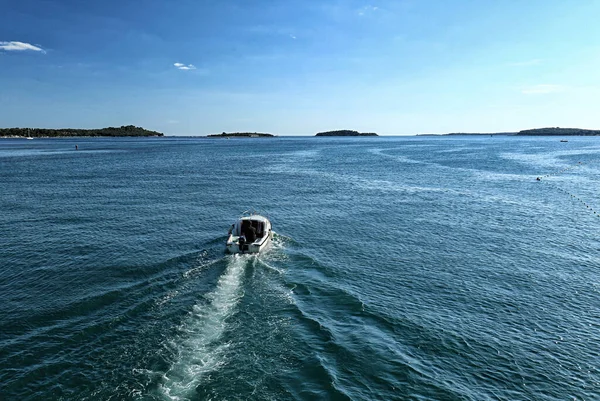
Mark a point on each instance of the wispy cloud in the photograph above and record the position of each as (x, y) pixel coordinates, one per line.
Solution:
(181, 66)
(20, 46)
(273, 30)
(367, 9)
(543, 89)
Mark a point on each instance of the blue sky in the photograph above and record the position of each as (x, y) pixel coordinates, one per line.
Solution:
(298, 67)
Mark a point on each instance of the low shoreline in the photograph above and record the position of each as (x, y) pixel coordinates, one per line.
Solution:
(552, 131)
(241, 135)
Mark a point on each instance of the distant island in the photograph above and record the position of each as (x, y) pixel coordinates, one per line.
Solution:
(346, 132)
(552, 131)
(126, 130)
(560, 131)
(240, 135)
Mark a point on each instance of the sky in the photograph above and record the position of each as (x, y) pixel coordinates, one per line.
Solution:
(290, 67)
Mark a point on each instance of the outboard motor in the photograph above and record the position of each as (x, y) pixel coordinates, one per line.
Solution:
(242, 244)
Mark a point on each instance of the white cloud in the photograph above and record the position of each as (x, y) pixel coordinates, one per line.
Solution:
(367, 9)
(181, 66)
(292, 36)
(20, 46)
(543, 89)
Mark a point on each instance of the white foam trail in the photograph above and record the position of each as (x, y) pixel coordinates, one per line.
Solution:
(199, 349)
(203, 266)
(271, 267)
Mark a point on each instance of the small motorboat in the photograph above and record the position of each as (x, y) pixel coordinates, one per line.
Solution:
(252, 233)
(564, 140)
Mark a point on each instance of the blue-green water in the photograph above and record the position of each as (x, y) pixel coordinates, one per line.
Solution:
(414, 268)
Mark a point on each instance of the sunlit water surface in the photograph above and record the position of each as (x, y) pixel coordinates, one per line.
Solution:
(414, 268)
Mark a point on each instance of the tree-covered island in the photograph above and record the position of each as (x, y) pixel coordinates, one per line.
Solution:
(551, 131)
(346, 132)
(240, 135)
(560, 131)
(125, 130)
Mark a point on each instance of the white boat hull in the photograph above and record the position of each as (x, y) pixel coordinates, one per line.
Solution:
(236, 242)
(233, 245)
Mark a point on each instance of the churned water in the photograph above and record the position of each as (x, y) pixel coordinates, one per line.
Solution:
(420, 268)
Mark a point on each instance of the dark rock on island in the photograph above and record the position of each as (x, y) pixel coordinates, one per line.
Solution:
(240, 135)
(126, 130)
(346, 132)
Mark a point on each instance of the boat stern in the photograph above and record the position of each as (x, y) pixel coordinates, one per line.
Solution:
(233, 244)
(261, 229)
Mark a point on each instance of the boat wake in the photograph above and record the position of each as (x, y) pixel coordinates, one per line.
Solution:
(199, 349)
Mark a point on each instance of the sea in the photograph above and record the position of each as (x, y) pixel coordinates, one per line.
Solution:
(402, 268)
